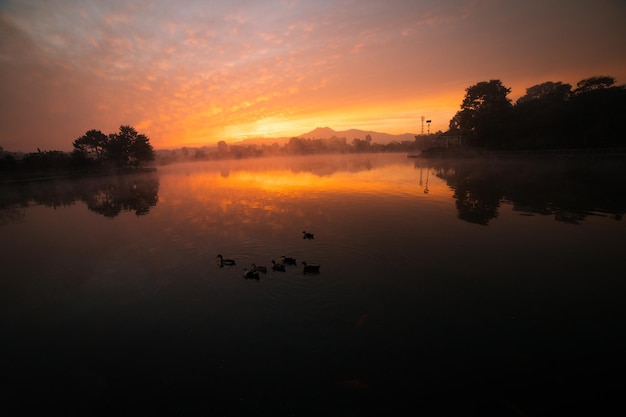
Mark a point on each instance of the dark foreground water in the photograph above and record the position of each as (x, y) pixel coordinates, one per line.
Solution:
(445, 288)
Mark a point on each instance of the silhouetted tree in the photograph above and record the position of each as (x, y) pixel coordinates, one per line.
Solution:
(550, 115)
(129, 148)
(455, 123)
(360, 145)
(140, 149)
(596, 113)
(46, 160)
(295, 146)
(125, 148)
(486, 114)
(93, 143)
(548, 92)
(539, 116)
(7, 161)
(222, 148)
(594, 83)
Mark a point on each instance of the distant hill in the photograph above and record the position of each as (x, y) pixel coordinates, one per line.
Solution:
(327, 133)
(253, 147)
(377, 137)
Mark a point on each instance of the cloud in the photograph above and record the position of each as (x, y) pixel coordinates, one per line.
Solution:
(200, 68)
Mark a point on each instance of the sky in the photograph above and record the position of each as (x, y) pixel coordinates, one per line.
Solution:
(195, 72)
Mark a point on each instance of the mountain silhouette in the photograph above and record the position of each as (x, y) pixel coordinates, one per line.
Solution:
(377, 137)
(327, 133)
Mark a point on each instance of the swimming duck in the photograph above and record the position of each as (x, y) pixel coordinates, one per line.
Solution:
(307, 235)
(256, 268)
(278, 267)
(250, 274)
(225, 261)
(289, 261)
(310, 269)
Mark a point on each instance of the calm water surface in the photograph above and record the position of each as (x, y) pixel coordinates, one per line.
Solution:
(452, 288)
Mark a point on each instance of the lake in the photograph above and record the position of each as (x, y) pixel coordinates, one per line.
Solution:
(446, 287)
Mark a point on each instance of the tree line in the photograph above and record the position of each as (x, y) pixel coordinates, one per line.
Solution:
(550, 115)
(294, 146)
(126, 148)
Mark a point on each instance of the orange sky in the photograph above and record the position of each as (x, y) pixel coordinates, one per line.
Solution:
(190, 73)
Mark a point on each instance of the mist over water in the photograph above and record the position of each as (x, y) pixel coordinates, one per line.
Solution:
(457, 286)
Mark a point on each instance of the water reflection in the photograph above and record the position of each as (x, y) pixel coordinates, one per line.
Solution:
(136, 193)
(571, 191)
(108, 196)
(367, 174)
(406, 288)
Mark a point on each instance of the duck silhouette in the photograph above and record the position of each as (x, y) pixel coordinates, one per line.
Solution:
(307, 235)
(310, 269)
(261, 269)
(250, 274)
(289, 261)
(278, 267)
(225, 261)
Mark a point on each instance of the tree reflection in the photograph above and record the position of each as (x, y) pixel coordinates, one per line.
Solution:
(569, 190)
(108, 196)
(122, 193)
(12, 214)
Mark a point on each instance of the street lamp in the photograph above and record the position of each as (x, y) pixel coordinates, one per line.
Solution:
(428, 121)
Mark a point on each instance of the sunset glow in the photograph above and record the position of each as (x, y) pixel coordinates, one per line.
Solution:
(192, 73)
(261, 183)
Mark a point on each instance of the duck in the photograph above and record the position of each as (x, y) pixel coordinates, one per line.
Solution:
(278, 267)
(307, 235)
(225, 261)
(289, 261)
(310, 269)
(256, 268)
(250, 274)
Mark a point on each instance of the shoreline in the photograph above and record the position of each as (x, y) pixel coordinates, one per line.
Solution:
(599, 153)
(21, 177)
